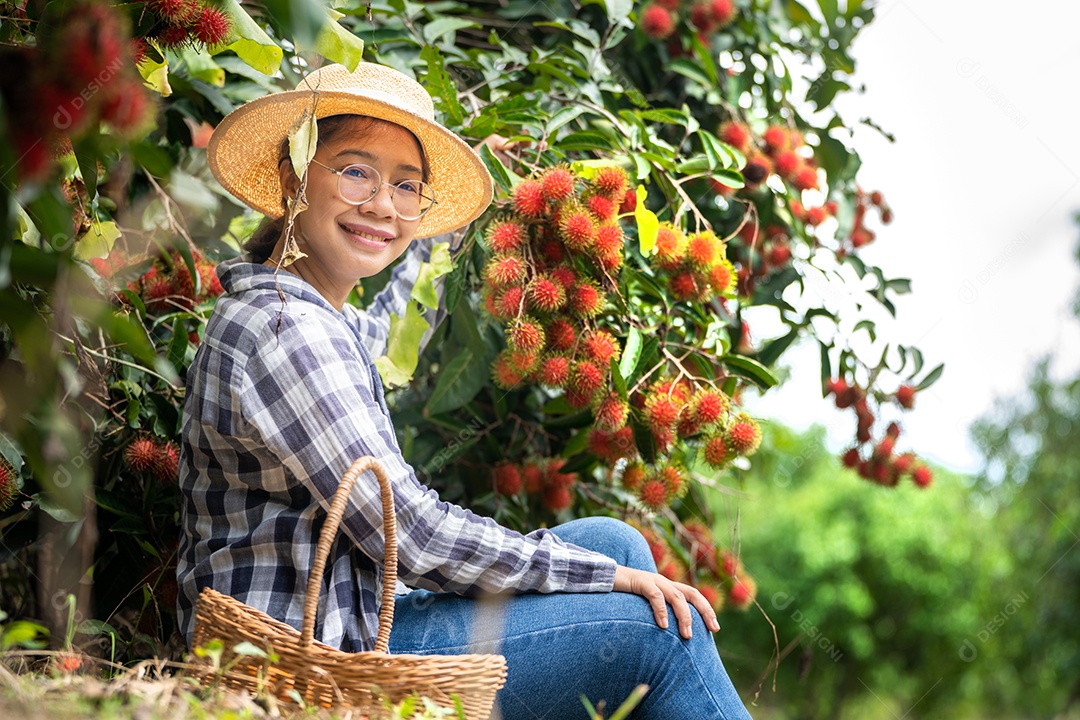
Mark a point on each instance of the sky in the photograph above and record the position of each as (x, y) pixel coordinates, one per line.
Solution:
(983, 180)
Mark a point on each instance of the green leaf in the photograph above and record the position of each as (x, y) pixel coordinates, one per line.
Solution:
(618, 378)
(178, 346)
(631, 353)
(931, 378)
(303, 142)
(563, 116)
(441, 87)
(201, 65)
(155, 76)
(25, 634)
(867, 325)
(249, 649)
(665, 115)
(900, 286)
(337, 44)
(459, 382)
(498, 171)
(97, 242)
(438, 265)
(690, 69)
(751, 370)
(435, 29)
(253, 45)
(775, 348)
(576, 444)
(648, 225)
(403, 347)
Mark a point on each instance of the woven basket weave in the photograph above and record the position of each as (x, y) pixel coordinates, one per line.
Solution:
(325, 676)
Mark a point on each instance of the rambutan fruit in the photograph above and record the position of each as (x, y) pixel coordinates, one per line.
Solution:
(815, 216)
(922, 475)
(779, 253)
(885, 447)
(210, 26)
(577, 399)
(554, 371)
(851, 459)
(554, 477)
(670, 247)
(611, 261)
(729, 565)
(609, 240)
(787, 163)
(525, 334)
(893, 430)
(736, 135)
(175, 11)
(717, 453)
(503, 270)
(701, 18)
(688, 426)
(524, 361)
(507, 305)
(141, 455)
(553, 251)
(9, 484)
(622, 444)
(208, 278)
(673, 569)
(172, 37)
(533, 477)
(529, 199)
(744, 435)
(675, 481)
(557, 499)
(629, 202)
(757, 169)
(710, 406)
(564, 275)
(600, 346)
(611, 413)
(557, 184)
(722, 278)
(561, 335)
(125, 106)
(491, 303)
(577, 228)
(602, 207)
(611, 181)
(587, 378)
(503, 373)
(703, 249)
(723, 11)
(684, 286)
(598, 443)
(505, 237)
(167, 462)
(633, 476)
(806, 178)
(905, 396)
(545, 294)
(776, 138)
(742, 592)
(712, 594)
(585, 300)
(653, 494)
(672, 5)
(506, 478)
(903, 463)
(679, 391)
(661, 412)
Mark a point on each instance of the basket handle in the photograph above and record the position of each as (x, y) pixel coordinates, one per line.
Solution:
(326, 539)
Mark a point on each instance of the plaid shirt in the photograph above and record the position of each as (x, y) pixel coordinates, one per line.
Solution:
(274, 416)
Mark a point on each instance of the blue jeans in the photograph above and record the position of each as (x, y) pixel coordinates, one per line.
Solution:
(560, 646)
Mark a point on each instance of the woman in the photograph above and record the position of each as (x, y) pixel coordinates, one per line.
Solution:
(283, 396)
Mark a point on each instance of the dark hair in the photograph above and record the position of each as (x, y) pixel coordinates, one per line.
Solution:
(262, 241)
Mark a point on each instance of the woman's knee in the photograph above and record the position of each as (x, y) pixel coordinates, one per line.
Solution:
(609, 536)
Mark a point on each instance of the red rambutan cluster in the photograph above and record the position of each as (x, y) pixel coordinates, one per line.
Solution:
(150, 456)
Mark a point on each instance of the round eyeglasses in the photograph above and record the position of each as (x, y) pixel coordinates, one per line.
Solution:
(359, 183)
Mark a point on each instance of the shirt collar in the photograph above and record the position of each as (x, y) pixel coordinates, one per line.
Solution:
(240, 275)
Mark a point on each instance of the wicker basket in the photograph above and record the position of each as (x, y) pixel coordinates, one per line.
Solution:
(322, 675)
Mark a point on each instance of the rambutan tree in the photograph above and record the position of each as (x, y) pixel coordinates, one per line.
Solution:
(667, 178)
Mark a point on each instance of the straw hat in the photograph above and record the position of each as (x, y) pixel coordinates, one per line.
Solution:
(243, 151)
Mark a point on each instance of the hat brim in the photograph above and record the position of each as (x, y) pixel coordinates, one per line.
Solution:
(243, 154)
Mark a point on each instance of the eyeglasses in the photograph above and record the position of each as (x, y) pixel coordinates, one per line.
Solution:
(359, 183)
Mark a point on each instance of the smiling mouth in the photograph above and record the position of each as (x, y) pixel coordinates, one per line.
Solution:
(367, 236)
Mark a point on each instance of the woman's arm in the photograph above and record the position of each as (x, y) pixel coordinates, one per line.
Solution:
(316, 403)
(373, 322)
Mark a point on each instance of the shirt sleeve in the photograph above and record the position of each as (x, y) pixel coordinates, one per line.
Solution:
(373, 322)
(310, 395)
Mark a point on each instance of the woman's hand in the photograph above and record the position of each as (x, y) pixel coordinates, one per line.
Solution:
(660, 591)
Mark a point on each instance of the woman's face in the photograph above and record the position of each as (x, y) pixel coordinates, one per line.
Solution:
(347, 242)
